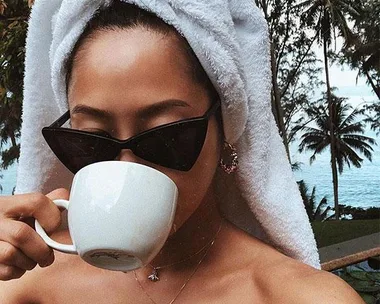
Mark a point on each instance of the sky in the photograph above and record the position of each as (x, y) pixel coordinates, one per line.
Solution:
(349, 86)
(346, 80)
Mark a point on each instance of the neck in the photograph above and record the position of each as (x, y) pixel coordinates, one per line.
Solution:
(194, 235)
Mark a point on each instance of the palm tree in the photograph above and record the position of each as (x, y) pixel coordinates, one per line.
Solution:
(314, 212)
(13, 25)
(326, 17)
(346, 134)
(364, 55)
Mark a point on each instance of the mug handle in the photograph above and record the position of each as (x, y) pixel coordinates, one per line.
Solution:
(50, 242)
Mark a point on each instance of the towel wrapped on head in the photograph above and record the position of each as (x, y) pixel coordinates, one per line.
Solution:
(231, 41)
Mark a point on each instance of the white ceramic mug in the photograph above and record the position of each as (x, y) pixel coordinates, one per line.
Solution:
(119, 214)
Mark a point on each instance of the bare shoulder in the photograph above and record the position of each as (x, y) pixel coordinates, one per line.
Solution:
(277, 278)
(325, 287)
(305, 284)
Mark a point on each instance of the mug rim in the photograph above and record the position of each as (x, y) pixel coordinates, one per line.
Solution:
(126, 163)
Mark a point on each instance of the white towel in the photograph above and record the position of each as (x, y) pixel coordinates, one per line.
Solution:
(230, 39)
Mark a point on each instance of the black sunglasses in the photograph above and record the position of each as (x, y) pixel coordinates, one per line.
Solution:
(174, 145)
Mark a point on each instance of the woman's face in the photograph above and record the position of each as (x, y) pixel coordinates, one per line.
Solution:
(124, 82)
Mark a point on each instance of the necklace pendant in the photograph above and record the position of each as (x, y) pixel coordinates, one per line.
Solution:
(154, 276)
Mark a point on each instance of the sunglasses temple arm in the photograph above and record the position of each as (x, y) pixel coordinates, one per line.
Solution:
(60, 121)
(212, 110)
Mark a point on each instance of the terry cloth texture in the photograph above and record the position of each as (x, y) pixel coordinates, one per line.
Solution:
(230, 39)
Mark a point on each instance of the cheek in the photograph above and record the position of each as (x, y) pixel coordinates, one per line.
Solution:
(195, 184)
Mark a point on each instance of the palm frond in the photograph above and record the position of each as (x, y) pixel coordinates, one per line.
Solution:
(367, 141)
(317, 213)
(354, 128)
(344, 29)
(350, 156)
(318, 149)
(349, 118)
(310, 145)
(312, 130)
(359, 145)
(372, 61)
(339, 160)
(324, 214)
(353, 11)
(311, 14)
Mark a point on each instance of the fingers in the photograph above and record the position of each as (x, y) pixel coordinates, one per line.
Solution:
(21, 248)
(10, 272)
(34, 205)
(11, 256)
(25, 239)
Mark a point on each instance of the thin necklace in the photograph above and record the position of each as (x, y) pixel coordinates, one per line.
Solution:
(191, 275)
(154, 276)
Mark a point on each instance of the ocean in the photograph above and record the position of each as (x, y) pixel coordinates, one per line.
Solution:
(358, 187)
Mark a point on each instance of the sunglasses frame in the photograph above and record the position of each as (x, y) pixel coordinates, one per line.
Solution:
(131, 142)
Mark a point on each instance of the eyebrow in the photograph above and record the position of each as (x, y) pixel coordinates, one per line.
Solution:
(147, 112)
(87, 110)
(160, 107)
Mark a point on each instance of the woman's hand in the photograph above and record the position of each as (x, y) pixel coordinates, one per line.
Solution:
(21, 248)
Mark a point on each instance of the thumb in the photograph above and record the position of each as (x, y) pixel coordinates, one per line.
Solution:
(60, 193)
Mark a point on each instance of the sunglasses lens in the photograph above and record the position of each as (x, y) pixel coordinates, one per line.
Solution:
(176, 147)
(76, 151)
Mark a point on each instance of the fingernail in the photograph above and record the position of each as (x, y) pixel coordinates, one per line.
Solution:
(43, 265)
(47, 263)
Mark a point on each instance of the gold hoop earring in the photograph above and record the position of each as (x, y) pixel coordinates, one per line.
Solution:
(229, 152)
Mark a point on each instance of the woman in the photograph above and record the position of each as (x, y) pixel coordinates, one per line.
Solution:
(128, 73)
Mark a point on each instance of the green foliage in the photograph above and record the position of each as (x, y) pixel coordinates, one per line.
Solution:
(373, 116)
(13, 25)
(359, 213)
(314, 212)
(366, 283)
(333, 232)
(294, 64)
(364, 54)
(329, 18)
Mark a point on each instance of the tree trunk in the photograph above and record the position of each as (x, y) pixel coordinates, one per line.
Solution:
(336, 188)
(332, 128)
(276, 104)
